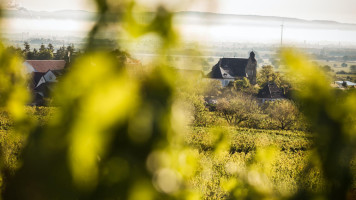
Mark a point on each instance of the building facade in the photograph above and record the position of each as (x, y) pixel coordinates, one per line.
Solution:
(230, 69)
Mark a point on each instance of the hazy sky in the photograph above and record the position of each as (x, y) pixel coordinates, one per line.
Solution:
(337, 10)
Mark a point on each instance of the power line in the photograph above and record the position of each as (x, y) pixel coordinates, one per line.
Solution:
(282, 27)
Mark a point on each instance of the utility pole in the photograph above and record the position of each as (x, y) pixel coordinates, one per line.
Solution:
(282, 27)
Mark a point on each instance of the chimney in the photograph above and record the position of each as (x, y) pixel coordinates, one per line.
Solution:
(68, 57)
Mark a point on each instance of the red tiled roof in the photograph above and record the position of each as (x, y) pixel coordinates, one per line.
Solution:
(45, 65)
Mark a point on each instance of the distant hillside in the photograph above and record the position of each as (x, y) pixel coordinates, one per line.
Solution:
(199, 19)
(64, 14)
(215, 18)
(205, 17)
(251, 17)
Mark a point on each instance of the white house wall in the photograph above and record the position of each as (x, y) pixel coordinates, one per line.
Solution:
(50, 77)
(225, 82)
(42, 80)
(28, 68)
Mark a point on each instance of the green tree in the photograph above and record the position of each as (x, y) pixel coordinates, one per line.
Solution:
(45, 53)
(326, 68)
(267, 74)
(244, 86)
(71, 48)
(16, 51)
(341, 72)
(61, 53)
(240, 85)
(212, 88)
(42, 48)
(353, 68)
(50, 48)
(27, 50)
(201, 115)
(34, 53)
(70, 53)
(27, 47)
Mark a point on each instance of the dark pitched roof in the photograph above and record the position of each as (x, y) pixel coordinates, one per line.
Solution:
(215, 72)
(36, 77)
(234, 66)
(45, 65)
(272, 91)
(44, 88)
(229, 68)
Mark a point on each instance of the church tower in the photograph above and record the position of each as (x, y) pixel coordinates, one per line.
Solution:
(251, 68)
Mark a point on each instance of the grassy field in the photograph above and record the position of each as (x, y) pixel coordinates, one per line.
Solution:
(278, 159)
(269, 162)
(336, 65)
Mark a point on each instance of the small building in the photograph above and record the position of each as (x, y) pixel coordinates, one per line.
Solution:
(345, 84)
(43, 73)
(270, 92)
(230, 69)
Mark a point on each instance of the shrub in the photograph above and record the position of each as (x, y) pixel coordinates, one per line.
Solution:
(201, 116)
(237, 109)
(283, 114)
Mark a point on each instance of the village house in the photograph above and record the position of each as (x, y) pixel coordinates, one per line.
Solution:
(230, 69)
(43, 73)
(342, 84)
(270, 92)
(44, 70)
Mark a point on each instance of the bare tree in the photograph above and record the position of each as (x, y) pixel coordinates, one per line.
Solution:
(237, 109)
(284, 113)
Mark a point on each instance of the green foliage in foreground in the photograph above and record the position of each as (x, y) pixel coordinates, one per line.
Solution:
(12, 142)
